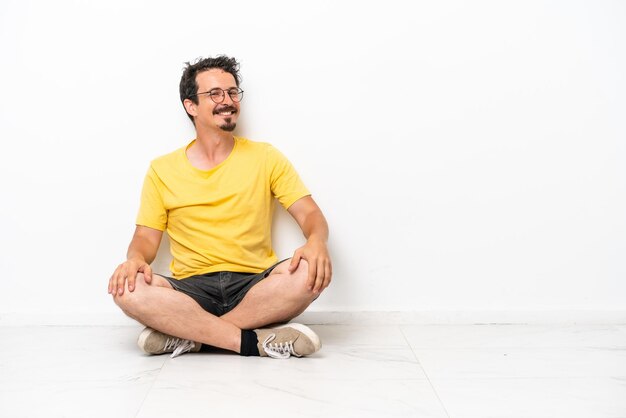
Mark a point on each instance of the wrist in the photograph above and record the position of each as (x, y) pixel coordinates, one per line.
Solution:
(137, 259)
(317, 239)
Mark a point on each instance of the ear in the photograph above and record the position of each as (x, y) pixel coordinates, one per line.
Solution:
(190, 107)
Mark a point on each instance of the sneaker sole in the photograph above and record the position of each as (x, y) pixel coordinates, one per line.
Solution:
(141, 341)
(315, 339)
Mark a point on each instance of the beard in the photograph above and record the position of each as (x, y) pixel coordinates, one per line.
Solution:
(228, 126)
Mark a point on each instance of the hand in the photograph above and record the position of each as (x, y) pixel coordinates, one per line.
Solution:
(128, 270)
(315, 252)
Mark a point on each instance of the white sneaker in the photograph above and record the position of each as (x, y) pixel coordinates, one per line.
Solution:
(152, 341)
(287, 340)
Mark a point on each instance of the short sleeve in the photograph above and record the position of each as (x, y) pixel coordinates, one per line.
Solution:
(285, 182)
(152, 212)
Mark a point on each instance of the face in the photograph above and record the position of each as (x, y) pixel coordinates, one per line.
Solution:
(209, 114)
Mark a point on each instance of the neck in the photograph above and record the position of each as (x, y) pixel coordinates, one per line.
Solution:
(211, 143)
(210, 149)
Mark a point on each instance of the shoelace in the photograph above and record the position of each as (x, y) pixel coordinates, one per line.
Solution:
(278, 350)
(179, 346)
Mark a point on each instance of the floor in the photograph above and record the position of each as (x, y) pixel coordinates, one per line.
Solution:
(375, 371)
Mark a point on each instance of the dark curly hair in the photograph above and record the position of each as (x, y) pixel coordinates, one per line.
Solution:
(188, 86)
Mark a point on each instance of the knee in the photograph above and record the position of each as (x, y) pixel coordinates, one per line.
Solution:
(300, 288)
(130, 302)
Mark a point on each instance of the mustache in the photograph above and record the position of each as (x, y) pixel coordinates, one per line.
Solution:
(224, 108)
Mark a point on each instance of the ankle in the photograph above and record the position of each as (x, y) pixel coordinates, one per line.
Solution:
(249, 343)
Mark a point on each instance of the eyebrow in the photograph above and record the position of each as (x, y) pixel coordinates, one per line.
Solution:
(219, 88)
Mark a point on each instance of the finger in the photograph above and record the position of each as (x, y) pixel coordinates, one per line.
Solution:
(312, 274)
(113, 281)
(147, 273)
(121, 279)
(327, 275)
(131, 281)
(295, 260)
(319, 277)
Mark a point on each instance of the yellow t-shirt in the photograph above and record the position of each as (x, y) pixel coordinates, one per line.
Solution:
(220, 219)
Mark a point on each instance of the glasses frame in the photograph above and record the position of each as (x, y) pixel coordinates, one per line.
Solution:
(238, 96)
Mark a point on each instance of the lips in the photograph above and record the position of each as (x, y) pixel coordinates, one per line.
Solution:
(225, 111)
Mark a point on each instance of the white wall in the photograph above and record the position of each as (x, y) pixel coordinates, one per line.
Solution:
(468, 155)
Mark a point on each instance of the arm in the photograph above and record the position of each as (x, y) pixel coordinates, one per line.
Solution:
(315, 229)
(141, 252)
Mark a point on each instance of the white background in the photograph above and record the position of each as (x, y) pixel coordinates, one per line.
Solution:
(468, 155)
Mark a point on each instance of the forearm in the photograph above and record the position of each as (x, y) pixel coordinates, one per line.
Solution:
(315, 226)
(141, 249)
(315, 251)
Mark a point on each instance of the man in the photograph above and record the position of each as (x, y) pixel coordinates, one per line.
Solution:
(215, 198)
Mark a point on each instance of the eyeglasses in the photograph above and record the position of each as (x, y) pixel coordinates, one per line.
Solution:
(217, 94)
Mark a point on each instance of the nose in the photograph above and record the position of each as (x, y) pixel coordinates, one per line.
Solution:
(227, 99)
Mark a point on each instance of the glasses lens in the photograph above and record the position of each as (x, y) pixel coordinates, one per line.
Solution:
(217, 95)
(235, 94)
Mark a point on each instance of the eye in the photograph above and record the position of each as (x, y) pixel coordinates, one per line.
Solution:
(216, 93)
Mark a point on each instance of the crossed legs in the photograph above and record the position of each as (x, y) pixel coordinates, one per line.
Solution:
(278, 298)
